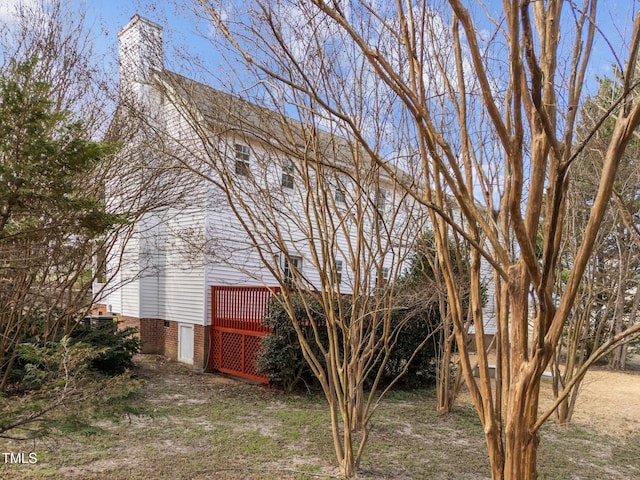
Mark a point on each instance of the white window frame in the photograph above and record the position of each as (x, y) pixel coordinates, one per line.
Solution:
(339, 195)
(289, 273)
(243, 159)
(381, 200)
(381, 203)
(383, 278)
(385, 273)
(288, 172)
(339, 264)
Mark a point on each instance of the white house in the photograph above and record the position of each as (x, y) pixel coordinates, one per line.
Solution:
(242, 197)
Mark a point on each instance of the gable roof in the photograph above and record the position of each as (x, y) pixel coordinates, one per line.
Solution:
(226, 114)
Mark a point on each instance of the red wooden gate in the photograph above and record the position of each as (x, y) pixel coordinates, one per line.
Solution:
(237, 329)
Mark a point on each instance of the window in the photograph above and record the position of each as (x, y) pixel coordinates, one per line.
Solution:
(383, 277)
(339, 195)
(338, 272)
(291, 268)
(242, 160)
(381, 200)
(287, 173)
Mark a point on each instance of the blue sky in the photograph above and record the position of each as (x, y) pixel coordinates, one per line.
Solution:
(107, 17)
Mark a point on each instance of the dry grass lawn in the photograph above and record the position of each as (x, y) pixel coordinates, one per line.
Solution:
(211, 427)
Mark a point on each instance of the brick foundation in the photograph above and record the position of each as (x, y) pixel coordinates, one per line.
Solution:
(153, 335)
(161, 336)
(99, 309)
(125, 322)
(201, 335)
(160, 339)
(170, 338)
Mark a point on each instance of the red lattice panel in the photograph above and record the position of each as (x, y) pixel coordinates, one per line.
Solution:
(252, 347)
(236, 329)
(232, 352)
(215, 350)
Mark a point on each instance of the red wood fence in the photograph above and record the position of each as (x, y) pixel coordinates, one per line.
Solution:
(237, 329)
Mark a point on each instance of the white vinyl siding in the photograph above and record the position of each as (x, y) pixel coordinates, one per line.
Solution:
(129, 294)
(161, 277)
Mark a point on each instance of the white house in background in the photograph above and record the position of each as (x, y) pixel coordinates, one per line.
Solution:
(197, 240)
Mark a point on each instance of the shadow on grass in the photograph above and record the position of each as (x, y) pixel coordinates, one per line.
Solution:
(201, 426)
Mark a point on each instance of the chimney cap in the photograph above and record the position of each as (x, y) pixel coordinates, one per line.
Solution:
(135, 19)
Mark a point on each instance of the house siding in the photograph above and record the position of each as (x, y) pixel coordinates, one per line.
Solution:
(196, 240)
(128, 277)
(181, 278)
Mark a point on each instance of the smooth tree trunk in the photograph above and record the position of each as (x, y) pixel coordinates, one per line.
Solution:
(444, 397)
(521, 441)
(494, 141)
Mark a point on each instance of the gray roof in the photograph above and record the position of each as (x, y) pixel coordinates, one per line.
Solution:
(226, 114)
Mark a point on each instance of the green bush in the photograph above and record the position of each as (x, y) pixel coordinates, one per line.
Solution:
(113, 352)
(117, 346)
(59, 392)
(281, 358)
(413, 328)
(283, 362)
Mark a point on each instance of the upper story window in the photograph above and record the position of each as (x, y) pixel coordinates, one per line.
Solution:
(381, 200)
(340, 191)
(338, 272)
(291, 268)
(243, 155)
(287, 173)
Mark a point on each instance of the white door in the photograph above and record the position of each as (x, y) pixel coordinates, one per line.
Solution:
(185, 343)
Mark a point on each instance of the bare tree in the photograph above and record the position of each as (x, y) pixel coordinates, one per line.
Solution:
(424, 293)
(57, 34)
(327, 224)
(485, 111)
(608, 298)
(617, 256)
(295, 202)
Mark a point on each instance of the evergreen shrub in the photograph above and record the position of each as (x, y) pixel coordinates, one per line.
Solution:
(283, 362)
(117, 347)
(282, 359)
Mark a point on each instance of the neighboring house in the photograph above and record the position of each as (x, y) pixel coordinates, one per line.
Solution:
(179, 131)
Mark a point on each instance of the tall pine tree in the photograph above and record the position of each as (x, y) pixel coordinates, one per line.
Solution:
(51, 215)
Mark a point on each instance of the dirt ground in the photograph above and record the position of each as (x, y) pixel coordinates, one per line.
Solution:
(608, 402)
(194, 426)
